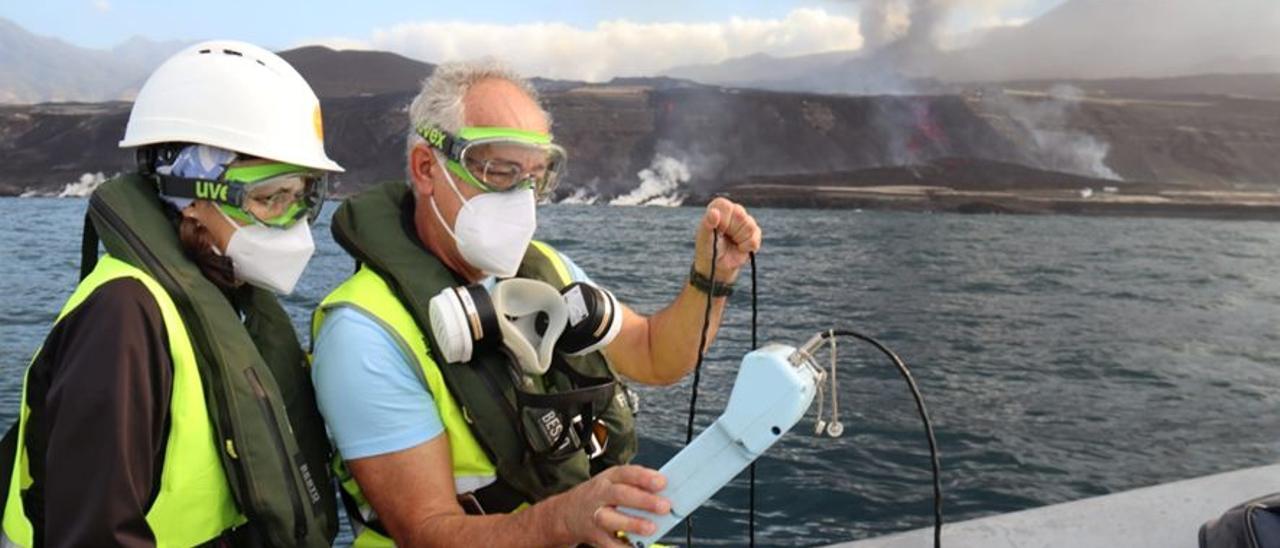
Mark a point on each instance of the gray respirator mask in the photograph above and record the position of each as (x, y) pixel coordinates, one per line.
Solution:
(529, 319)
(532, 322)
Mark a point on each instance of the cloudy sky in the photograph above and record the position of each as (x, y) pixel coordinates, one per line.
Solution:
(583, 39)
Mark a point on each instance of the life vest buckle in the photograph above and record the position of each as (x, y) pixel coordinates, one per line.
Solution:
(598, 440)
(470, 504)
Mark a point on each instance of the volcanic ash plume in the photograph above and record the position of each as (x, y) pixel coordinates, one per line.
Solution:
(902, 38)
(660, 184)
(900, 45)
(881, 21)
(904, 25)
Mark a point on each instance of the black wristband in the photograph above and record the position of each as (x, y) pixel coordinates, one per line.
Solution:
(706, 285)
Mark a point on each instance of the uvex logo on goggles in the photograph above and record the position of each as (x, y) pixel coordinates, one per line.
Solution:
(496, 159)
(210, 190)
(435, 137)
(270, 193)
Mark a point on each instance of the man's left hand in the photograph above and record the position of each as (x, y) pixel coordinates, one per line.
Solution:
(737, 236)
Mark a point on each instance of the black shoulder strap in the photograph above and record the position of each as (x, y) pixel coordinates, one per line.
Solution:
(88, 247)
(8, 451)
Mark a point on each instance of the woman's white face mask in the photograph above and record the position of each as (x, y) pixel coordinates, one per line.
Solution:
(492, 230)
(271, 258)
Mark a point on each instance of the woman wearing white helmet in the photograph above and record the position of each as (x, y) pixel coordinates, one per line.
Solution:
(170, 403)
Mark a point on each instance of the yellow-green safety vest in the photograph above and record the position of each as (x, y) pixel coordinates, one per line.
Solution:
(367, 292)
(194, 504)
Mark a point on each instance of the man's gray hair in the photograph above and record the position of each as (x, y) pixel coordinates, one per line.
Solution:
(439, 103)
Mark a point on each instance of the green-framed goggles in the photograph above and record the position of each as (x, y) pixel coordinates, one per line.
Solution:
(497, 159)
(274, 194)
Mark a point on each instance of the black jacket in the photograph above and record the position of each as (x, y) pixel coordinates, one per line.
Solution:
(99, 393)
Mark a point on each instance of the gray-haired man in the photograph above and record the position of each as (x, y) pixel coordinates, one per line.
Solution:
(443, 441)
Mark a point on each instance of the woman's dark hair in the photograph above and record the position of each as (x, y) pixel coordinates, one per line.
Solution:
(197, 243)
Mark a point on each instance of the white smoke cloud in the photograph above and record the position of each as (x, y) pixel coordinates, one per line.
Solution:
(659, 184)
(580, 196)
(611, 48)
(1056, 144)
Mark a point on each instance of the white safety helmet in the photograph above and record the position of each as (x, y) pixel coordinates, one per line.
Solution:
(231, 95)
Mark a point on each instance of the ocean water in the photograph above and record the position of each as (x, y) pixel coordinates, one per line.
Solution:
(1060, 357)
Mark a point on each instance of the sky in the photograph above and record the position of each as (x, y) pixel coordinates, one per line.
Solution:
(589, 39)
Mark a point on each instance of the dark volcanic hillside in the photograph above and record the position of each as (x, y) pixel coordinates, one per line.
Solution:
(614, 131)
(725, 135)
(43, 147)
(350, 73)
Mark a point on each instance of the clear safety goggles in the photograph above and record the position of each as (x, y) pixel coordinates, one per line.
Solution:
(274, 194)
(496, 159)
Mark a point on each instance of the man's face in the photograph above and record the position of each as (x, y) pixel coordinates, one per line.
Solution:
(489, 103)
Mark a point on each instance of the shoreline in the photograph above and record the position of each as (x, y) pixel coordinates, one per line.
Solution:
(1195, 204)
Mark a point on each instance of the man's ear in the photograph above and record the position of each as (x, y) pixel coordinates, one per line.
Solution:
(422, 163)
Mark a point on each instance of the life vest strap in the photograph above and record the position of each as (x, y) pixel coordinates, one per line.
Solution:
(498, 497)
(88, 247)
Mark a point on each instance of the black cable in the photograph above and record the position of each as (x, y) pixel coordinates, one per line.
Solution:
(697, 369)
(924, 417)
(751, 505)
(935, 461)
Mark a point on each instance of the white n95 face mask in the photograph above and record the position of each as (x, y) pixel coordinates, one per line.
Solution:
(271, 258)
(494, 229)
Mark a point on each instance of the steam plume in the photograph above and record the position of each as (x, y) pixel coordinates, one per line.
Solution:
(659, 184)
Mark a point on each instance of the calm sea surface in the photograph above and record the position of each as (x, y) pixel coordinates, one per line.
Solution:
(1061, 357)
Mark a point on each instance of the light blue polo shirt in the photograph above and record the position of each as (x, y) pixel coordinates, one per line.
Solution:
(369, 390)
